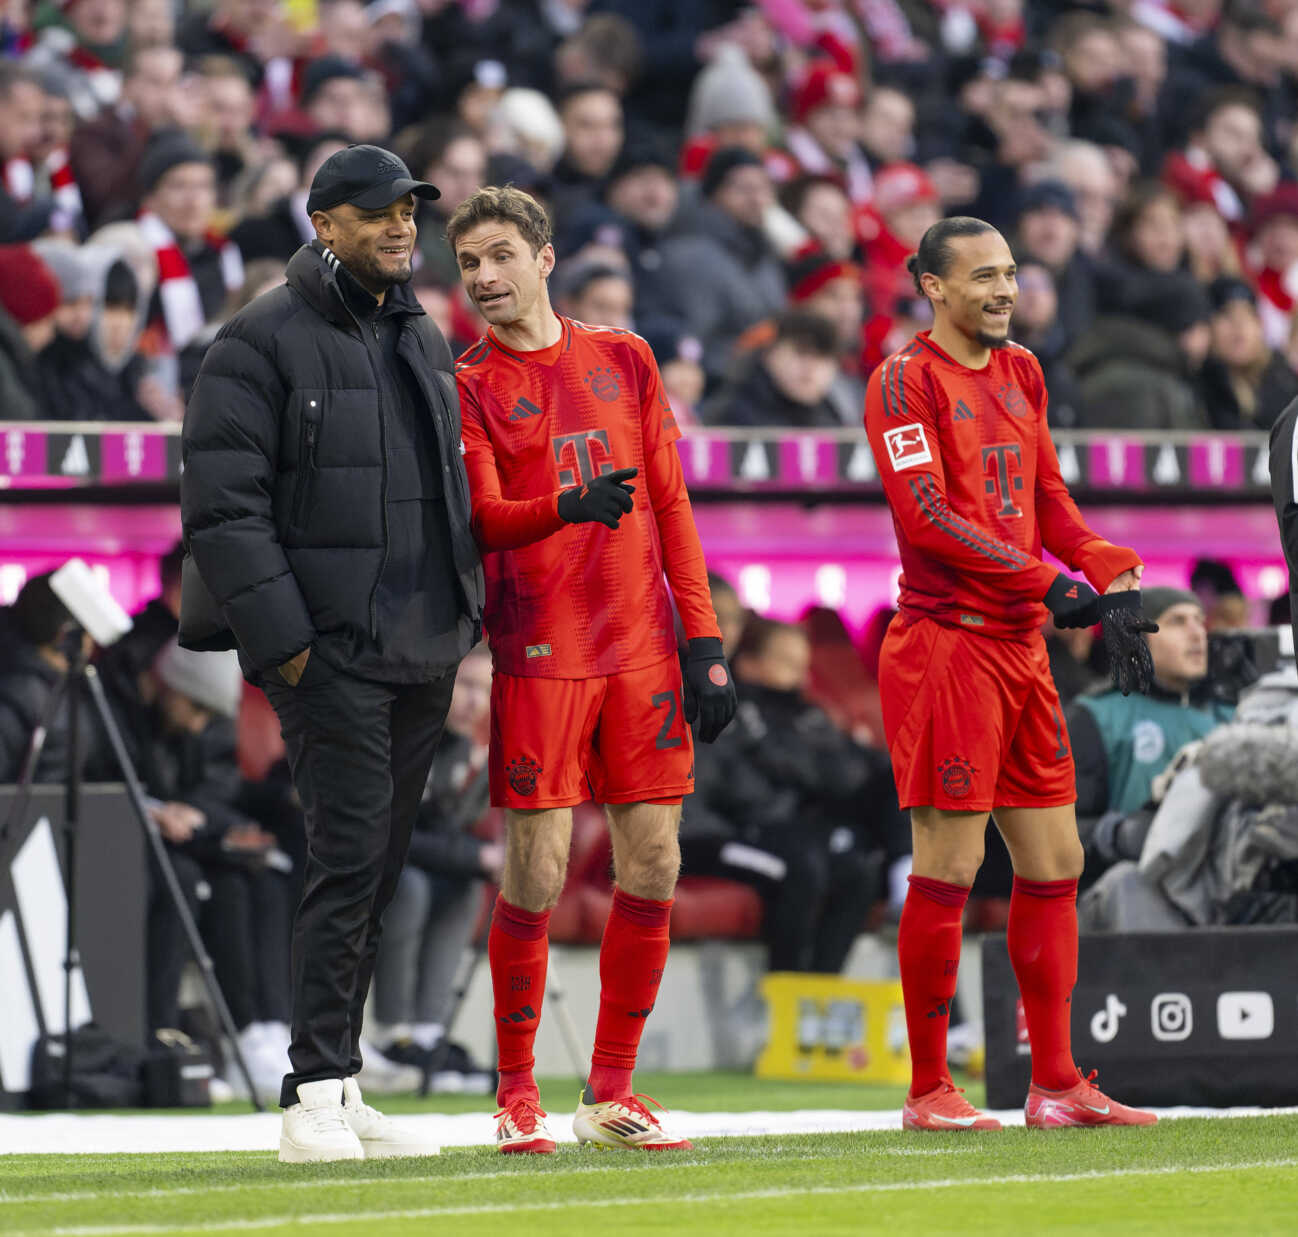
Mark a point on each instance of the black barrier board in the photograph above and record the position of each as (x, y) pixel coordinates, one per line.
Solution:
(112, 901)
(1203, 1018)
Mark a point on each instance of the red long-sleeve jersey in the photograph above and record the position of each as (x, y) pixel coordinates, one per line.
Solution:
(973, 482)
(575, 601)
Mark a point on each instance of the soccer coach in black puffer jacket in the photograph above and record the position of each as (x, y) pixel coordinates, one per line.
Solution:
(326, 514)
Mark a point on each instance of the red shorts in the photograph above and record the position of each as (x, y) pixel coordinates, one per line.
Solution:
(618, 739)
(973, 723)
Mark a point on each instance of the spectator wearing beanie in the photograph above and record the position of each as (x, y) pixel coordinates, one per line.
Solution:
(78, 385)
(786, 383)
(197, 269)
(832, 289)
(730, 105)
(29, 298)
(1246, 383)
(826, 133)
(724, 271)
(905, 206)
(1049, 227)
(636, 215)
(1137, 368)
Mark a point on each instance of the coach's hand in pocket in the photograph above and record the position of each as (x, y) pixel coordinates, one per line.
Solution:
(293, 669)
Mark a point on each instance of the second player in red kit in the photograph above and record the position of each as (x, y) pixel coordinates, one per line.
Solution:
(957, 423)
(580, 509)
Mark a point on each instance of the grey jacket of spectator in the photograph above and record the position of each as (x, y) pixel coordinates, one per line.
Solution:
(1133, 375)
(726, 277)
(290, 373)
(19, 378)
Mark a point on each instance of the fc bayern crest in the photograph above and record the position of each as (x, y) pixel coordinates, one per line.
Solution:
(957, 776)
(522, 774)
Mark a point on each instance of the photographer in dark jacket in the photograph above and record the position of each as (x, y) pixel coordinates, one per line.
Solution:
(33, 660)
(326, 509)
(778, 804)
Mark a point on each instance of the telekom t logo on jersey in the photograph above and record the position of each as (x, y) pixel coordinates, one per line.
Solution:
(582, 457)
(1003, 461)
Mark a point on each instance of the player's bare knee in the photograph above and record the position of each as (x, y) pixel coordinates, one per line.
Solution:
(651, 871)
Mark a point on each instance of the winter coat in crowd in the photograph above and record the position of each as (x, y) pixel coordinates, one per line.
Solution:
(1276, 387)
(20, 379)
(80, 387)
(1133, 375)
(727, 277)
(751, 398)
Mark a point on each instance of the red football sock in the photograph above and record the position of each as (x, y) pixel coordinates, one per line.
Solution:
(1042, 939)
(928, 946)
(517, 949)
(631, 961)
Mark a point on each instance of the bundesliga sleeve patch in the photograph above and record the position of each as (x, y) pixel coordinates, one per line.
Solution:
(907, 447)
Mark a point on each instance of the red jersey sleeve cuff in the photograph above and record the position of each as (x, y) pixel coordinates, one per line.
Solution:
(1102, 563)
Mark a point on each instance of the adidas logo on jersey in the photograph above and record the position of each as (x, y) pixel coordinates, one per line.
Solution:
(524, 409)
(962, 412)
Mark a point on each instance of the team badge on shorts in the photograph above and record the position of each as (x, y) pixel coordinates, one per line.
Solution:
(522, 774)
(957, 776)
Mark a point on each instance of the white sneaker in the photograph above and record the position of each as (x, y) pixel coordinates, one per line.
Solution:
(381, 1138)
(315, 1129)
(266, 1063)
(379, 1076)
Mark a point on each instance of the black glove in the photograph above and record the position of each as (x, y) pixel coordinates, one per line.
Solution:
(709, 689)
(604, 501)
(1130, 661)
(1072, 602)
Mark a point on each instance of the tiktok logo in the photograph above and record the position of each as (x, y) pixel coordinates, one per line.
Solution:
(1104, 1023)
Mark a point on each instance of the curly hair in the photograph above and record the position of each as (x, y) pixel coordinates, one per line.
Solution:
(503, 204)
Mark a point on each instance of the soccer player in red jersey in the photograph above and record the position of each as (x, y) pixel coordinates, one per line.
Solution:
(957, 423)
(559, 417)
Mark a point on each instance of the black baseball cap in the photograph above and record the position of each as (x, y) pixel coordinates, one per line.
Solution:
(366, 176)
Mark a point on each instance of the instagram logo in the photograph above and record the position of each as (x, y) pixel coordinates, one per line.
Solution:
(1171, 1017)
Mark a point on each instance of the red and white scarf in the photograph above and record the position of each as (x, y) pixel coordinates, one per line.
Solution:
(69, 212)
(20, 182)
(20, 179)
(182, 306)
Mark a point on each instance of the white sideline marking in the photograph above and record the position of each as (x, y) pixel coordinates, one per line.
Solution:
(75, 1133)
(430, 1213)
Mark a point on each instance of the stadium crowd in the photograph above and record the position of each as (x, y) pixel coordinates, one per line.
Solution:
(740, 182)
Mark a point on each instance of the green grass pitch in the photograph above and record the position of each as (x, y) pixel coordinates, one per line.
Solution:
(1199, 1176)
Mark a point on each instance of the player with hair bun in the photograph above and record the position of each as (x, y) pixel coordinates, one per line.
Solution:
(957, 423)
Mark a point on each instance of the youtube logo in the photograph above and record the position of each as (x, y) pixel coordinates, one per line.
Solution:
(1245, 1015)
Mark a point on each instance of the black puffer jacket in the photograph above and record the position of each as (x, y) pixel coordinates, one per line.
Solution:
(283, 495)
